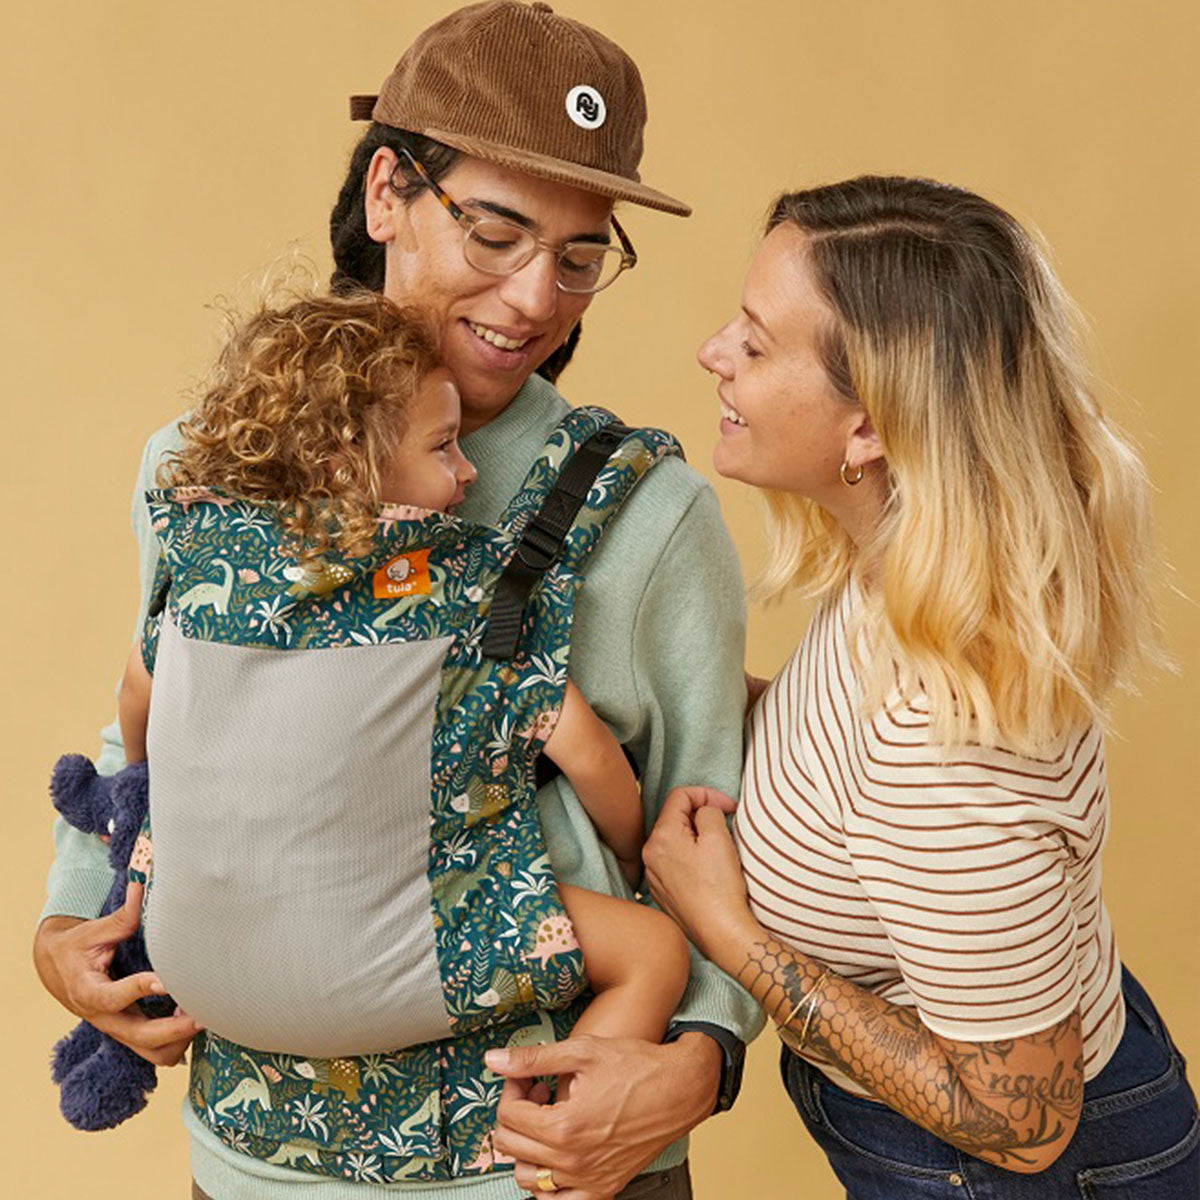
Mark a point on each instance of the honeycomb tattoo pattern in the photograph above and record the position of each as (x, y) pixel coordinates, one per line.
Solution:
(1000, 1101)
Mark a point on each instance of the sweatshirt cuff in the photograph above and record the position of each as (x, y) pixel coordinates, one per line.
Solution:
(77, 893)
(80, 876)
(715, 999)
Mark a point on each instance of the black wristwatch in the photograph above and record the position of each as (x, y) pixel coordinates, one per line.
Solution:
(733, 1057)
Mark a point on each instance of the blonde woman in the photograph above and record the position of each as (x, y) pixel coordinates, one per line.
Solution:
(917, 903)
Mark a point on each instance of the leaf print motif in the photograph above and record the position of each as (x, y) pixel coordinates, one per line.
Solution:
(602, 485)
(310, 1115)
(511, 931)
(478, 1094)
(363, 1168)
(251, 518)
(396, 1143)
(373, 1069)
(527, 886)
(282, 1064)
(273, 614)
(459, 850)
(550, 669)
(502, 737)
(473, 635)
(236, 1139)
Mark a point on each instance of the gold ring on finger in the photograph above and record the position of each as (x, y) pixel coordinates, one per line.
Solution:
(545, 1180)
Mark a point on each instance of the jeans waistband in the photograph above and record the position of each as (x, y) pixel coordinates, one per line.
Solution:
(1139, 1003)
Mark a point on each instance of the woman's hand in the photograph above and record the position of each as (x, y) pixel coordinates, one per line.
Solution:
(72, 959)
(693, 872)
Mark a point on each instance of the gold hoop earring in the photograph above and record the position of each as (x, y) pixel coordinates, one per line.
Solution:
(843, 472)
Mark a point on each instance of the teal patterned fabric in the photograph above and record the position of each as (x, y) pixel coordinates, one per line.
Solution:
(511, 969)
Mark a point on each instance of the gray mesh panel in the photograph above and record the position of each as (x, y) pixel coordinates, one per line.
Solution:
(289, 806)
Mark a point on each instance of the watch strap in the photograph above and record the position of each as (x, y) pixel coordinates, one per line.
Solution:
(733, 1057)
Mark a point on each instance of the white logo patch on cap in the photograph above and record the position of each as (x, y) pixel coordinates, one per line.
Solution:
(585, 106)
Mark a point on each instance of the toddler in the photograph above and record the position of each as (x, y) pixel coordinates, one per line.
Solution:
(335, 416)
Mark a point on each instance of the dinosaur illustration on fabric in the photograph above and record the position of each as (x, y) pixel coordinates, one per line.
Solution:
(214, 595)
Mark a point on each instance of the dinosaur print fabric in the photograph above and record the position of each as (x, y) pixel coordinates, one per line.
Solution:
(504, 963)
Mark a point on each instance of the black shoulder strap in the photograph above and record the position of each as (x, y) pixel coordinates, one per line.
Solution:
(543, 537)
(158, 601)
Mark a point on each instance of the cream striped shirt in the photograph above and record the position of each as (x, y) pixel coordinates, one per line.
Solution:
(969, 887)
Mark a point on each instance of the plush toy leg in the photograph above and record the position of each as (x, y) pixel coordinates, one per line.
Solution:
(107, 1088)
(81, 1043)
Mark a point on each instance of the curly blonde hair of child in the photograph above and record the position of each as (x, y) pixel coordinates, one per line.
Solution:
(303, 409)
(1008, 581)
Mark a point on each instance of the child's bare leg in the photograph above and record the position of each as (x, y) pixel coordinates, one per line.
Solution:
(637, 963)
(134, 706)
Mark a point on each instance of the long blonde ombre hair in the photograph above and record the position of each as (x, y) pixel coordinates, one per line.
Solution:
(303, 408)
(1007, 582)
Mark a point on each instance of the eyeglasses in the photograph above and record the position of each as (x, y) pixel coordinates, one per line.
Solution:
(500, 247)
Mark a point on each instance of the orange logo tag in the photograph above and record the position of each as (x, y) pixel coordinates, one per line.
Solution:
(404, 575)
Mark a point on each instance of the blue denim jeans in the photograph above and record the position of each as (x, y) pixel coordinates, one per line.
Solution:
(1138, 1137)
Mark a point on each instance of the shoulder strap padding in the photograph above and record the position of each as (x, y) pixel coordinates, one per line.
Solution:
(568, 435)
(590, 487)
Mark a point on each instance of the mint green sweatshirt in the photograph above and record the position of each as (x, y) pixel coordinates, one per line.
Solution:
(657, 648)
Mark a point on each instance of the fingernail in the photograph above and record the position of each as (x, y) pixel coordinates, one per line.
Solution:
(158, 988)
(496, 1059)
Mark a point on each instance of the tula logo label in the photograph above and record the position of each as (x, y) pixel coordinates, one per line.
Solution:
(585, 106)
(404, 575)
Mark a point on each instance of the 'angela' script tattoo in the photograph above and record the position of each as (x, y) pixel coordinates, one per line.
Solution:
(1014, 1103)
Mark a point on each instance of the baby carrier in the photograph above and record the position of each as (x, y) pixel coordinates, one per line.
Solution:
(350, 886)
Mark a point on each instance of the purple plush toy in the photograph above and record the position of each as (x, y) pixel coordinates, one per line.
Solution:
(103, 1082)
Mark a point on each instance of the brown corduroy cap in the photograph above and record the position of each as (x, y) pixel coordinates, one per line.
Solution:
(518, 85)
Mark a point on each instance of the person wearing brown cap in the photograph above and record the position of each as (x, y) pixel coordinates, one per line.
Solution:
(484, 190)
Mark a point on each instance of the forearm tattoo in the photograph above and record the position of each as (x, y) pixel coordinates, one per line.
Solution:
(973, 1095)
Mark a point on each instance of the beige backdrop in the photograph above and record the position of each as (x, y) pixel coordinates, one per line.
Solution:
(157, 155)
